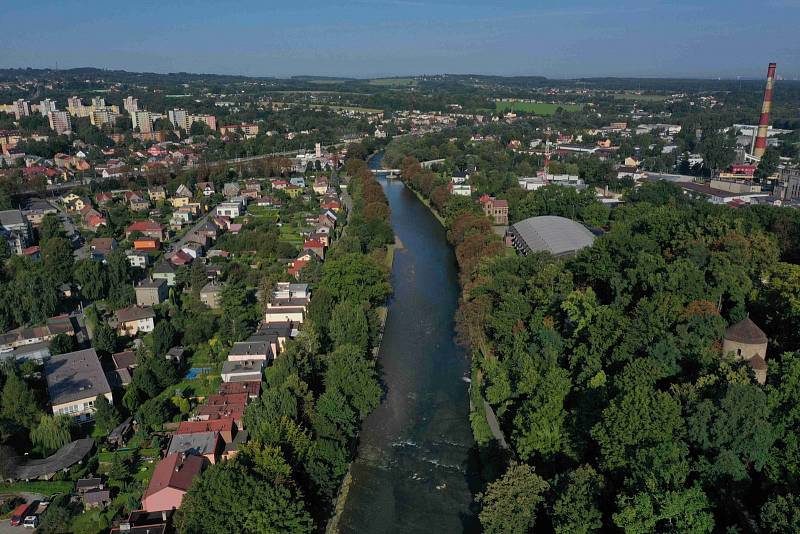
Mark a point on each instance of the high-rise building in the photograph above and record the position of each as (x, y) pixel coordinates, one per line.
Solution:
(102, 116)
(60, 121)
(98, 102)
(21, 109)
(208, 120)
(131, 105)
(46, 106)
(142, 120)
(179, 119)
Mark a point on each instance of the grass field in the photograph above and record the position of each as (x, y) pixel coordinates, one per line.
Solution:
(43, 487)
(539, 108)
(640, 98)
(393, 82)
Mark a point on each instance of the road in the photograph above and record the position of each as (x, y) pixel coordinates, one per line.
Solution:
(69, 228)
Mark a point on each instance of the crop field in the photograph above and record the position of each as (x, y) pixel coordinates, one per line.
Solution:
(539, 108)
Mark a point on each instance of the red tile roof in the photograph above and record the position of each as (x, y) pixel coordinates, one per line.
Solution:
(174, 471)
(217, 425)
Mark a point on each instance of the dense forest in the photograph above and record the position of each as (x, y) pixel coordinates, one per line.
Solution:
(606, 371)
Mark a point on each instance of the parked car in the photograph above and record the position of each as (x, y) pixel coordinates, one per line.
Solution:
(32, 521)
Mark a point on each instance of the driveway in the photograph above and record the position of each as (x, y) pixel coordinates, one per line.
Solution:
(5, 526)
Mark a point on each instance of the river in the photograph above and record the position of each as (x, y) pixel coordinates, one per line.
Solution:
(415, 468)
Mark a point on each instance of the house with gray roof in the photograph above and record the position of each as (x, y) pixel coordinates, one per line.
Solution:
(74, 381)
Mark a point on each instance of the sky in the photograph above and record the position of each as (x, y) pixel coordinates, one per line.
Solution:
(373, 38)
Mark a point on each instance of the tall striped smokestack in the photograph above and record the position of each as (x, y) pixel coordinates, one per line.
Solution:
(763, 124)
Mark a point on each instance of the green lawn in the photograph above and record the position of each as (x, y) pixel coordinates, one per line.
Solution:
(264, 212)
(539, 108)
(44, 487)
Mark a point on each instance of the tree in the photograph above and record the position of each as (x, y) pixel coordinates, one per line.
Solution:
(510, 505)
(155, 412)
(237, 311)
(349, 325)
(50, 228)
(62, 344)
(781, 514)
(106, 417)
(52, 432)
(120, 283)
(57, 259)
(213, 504)
(105, 338)
(349, 372)
(577, 508)
(355, 277)
(18, 402)
(163, 337)
(92, 277)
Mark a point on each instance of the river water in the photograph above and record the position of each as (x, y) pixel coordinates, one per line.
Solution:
(415, 467)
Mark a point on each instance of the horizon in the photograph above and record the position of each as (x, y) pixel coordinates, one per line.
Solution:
(400, 76)
(397, 38)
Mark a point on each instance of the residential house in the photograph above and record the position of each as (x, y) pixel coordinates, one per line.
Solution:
(171, 480)
(102, 198)
(146, 228)
(180, 258)
(166, 271)
(124, 364)
(231, 189)
(206, 188)
(135, 319)
(146, 244)
(211, 295)
(74, 381)
(15, 229)
(242, 371)
(297, 181)
(463, 190)
(251, 388)
(178, 202)
(229, 209)
(195, 250)
(31, 335)
(138, 258)
(102, 247)
(141, 522)
(205, 444)
(226, 428)
(184, 190)
(250, 350)
(157, 193)
(92, 219)
(293, 191)
(321, 185)
(331, 204)
(316, 247)
(496, 210)
(36, 209)
(151, 292)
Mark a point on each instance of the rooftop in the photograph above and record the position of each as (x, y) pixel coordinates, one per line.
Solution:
(74, 376)
(194, 443)
(175, 471)
(135, 313)
(746, 331)
(556, 235)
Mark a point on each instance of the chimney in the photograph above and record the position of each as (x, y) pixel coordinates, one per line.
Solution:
(760, 145)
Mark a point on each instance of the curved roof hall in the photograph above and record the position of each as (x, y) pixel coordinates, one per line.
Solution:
(557, 235)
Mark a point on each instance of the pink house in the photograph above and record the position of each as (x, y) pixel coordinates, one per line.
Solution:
(171, 480)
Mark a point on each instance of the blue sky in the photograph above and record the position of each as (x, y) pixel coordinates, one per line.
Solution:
(366, 38)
